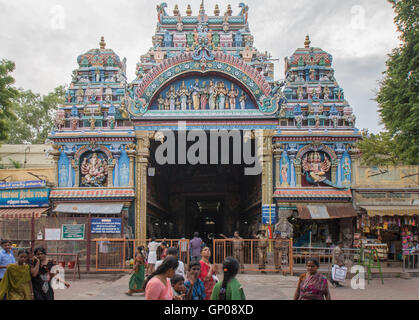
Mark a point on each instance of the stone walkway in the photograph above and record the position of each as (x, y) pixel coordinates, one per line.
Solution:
(256, 287)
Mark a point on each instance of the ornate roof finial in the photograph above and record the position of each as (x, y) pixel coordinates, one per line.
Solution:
(229, 11)
(216, 10)
(307, 42)
(176, 10)
(189, 10)
(201, 8)
(102, 42)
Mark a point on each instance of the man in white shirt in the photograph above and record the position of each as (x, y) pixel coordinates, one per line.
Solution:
(174, 252)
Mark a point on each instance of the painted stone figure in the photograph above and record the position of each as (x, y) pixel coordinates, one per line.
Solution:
(167, 104)
(195, 94)
(326, 92)
(346, 167)
(212, 95)
(79, 95)
(284, 172)
(315, 168)
(124, 175)
(160, 102)
(300, 93)
(63, 176)
(94, 171)
(204, 96)
(171, 94)
(242, 101)
(183, 93)
(232, 95)
(221, 95)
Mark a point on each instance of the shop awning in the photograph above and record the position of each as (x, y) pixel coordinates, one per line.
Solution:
(86, 208)
(19, 213)
(326, 212)
(391, 210)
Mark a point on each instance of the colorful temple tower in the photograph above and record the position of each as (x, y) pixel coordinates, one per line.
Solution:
(203, 73)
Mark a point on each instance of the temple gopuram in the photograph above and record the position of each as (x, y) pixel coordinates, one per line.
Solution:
(204, 75)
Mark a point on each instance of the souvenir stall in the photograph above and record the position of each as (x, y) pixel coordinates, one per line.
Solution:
(394, 234)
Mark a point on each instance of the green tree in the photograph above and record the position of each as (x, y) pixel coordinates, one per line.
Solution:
(398, 96)
(35, 116)
(378, 149)
(7, 94)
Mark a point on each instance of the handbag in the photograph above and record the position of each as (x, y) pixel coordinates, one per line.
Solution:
(339, 273)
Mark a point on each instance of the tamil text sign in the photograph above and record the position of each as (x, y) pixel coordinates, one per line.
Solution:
(111, 225)
(72, 231)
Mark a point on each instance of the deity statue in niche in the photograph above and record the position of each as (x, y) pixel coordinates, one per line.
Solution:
(94, 171)
(177, 103)
(300, 93)
(79, 95)
(204, 96)
(124, 175)
(108, 94)
(171, 94)
(190, 39)
(167, 104)
(160, 102)
(212, 95)
(195, 94)
(97, 75)
(242, 101)
(92, 121)
(346, 167)
(74, 122)
(216, 39)
(312, 74)
(232, 95)
(89, 93)
(63, 176)
(221, 95)
(315, 168)
(183, 93)
(326, 92)
(284, 172)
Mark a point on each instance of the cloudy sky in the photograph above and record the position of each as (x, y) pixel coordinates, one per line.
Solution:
(45, 37)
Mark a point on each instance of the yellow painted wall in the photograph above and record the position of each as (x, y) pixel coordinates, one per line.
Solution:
(36, 155)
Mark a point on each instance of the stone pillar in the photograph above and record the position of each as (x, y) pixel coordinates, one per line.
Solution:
(143, 153)
(339, 171)
(111, 165)
(75, 164)
(56, 156)
(277, 152)
(265, 137)
(130, 149)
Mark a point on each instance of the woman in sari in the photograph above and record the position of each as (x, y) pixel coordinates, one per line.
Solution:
(16, 283)
(207, 272)
(137, 279)
(312, 285)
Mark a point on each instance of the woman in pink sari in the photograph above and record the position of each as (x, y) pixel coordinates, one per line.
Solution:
(312, 285)
(207, 272)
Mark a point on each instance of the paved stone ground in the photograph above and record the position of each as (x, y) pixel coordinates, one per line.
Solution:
(256, 287)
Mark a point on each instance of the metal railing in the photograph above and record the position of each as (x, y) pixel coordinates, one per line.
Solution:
(324, 256)
(256, 254)
(411, 262)
(118, 254)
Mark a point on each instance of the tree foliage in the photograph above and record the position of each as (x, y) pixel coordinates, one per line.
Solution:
(7, 94)
(378, 149)
(398, 96)
(35, 116)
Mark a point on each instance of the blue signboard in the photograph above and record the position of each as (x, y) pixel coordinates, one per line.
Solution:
(24, 197)
(104, 225)
(22, 184)
(268, 214)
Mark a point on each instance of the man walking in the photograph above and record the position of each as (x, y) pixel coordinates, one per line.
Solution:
(6, 256)
(338, 259)
(195, 246)
(262, 245)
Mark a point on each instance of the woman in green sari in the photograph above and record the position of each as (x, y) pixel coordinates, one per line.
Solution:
(230, 288)
(137, 279)
(16, 283)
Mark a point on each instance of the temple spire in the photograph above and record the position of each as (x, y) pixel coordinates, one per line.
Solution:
(201, 8)
(216, 10)
(102, 43)
(307, 42)
(189, 10)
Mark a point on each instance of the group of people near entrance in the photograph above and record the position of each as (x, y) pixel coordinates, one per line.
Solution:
(28, 277)
(167, 279)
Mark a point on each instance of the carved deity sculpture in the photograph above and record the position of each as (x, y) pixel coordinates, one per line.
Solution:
(171, 95)
(79, 95)
(94, 171)
(300, 93)
(212, 95)
(195, 94)
(221, 95)
(316, 168)
(183, 93)
(60, 119)
(160, 102)
(346, 167)
(167, 104)
(204, 96)
(326, 92)
(242, 101)
(232, 95)
(284, 172)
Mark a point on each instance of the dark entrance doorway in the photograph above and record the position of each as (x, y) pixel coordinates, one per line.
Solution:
(204, 198)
